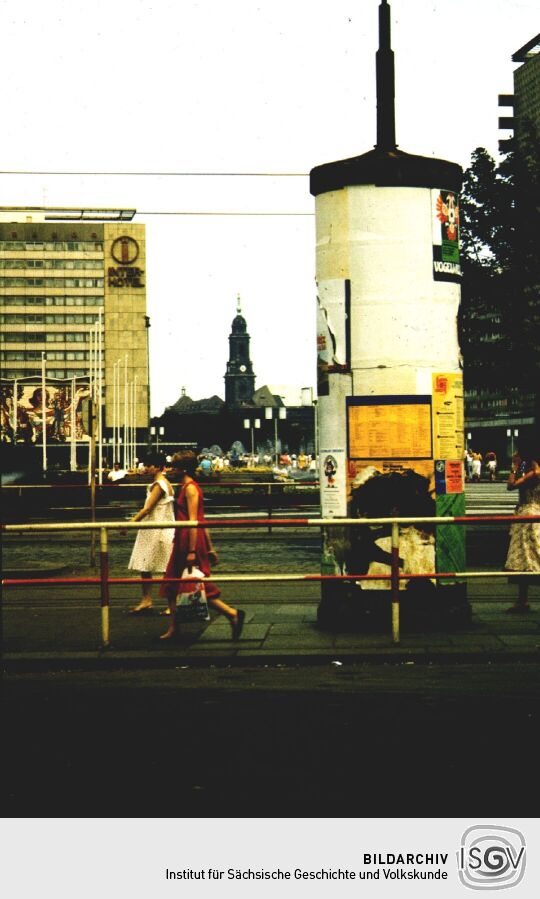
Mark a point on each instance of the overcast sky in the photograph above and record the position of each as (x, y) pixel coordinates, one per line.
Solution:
(245, 86)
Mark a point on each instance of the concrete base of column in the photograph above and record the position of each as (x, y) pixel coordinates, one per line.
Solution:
(423, 607)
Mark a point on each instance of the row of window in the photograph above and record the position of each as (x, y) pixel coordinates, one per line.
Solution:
(86, 246)
(52, 263)
(23, 300)
(51, 282)
(13, 374)
(35, 355)
(41, 337)
(14, 318)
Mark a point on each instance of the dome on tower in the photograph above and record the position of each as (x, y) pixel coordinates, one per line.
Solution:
(239, 325)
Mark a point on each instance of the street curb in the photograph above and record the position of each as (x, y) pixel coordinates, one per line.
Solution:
(14, 663)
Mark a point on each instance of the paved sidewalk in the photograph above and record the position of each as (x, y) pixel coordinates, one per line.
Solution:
(56, 628)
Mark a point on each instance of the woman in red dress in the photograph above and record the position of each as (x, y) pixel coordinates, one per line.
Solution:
(193, 547)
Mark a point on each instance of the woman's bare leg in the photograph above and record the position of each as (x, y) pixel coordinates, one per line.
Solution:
(146, 599)
(171, 630)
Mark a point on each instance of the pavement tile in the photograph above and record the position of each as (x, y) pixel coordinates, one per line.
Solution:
(515, 640)
(291, 610)
(220, 635)
(290, 627)
(488, 641)
(299, 642)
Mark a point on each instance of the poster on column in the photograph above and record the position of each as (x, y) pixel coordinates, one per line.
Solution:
(391, 473)
(333, 481)
(445, 222)
(333, 322)
(448, 424)
(389, 427)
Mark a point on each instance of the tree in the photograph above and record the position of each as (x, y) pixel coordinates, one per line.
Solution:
(500, 313)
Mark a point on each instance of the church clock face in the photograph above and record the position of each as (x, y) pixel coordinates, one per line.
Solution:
(242, 368)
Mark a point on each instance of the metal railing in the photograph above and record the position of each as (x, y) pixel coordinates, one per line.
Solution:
(104, 579)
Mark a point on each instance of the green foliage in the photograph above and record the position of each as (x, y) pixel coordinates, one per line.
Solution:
(500, 312)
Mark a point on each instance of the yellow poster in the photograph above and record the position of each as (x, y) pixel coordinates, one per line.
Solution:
(448, 437)
(389, 427)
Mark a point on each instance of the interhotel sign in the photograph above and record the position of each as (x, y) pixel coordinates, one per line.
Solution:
(125, 252)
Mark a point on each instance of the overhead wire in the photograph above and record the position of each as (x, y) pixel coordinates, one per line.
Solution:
(179, 175)
(164, 174)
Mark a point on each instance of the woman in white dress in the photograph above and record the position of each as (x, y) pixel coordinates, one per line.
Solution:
(524, 549)
(153, 546)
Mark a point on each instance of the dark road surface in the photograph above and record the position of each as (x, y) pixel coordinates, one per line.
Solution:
(352, 741)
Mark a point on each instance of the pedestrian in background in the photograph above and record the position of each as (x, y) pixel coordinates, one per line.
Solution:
(476, 466)
(491, 465)
(152, 548)
(524, 549)
(192, 547)
(468, 459)
(117, 473)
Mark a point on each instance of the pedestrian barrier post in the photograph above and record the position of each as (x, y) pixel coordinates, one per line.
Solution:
(394, 567)
(104, 586)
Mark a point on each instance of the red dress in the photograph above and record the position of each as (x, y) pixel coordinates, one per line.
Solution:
(178, 560)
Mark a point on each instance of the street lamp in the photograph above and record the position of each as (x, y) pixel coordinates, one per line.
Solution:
(281, 412)
(157, 433)
(512, 435)
(311, 400)
(256, 424)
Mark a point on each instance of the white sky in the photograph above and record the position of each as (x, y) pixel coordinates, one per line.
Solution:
(238, 86)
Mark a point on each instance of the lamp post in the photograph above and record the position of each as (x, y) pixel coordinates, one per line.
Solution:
(157, 433)
(256, 424)
(512, 433)
(281, 412)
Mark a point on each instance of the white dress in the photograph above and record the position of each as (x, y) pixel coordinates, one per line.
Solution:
(152, 548)
(524, 549)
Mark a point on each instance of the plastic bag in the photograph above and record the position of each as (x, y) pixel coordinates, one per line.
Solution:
(192, 605)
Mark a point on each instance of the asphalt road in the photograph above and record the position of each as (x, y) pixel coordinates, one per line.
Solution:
(351, 741)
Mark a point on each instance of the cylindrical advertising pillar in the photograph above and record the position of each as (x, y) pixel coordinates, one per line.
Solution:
(389, 378)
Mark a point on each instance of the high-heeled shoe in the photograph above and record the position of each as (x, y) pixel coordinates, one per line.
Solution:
(238, 624)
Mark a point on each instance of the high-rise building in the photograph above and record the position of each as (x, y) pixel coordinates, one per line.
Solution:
(525, 100)
(62, 271)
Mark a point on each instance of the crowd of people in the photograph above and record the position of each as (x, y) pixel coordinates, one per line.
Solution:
(474, 462)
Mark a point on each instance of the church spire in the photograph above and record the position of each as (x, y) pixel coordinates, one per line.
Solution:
(239, 377)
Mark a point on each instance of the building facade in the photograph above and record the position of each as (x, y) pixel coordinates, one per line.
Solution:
(525, 101)
(62, 272)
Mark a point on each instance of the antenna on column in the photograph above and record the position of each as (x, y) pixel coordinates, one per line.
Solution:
(386, 118)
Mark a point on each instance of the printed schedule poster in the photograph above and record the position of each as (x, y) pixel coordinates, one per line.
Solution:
(285, 858)
(448, 422)
(389, 427)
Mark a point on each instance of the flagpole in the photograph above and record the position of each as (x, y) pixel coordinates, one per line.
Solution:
(15, 392)
(73, 448)
(44, 413)
(100, 398)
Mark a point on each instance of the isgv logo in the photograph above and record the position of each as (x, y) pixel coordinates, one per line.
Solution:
(491, 857)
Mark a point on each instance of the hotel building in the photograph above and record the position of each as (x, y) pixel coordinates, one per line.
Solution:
(61, 270)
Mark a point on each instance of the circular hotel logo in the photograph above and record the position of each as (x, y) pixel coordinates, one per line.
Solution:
(125, 250)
